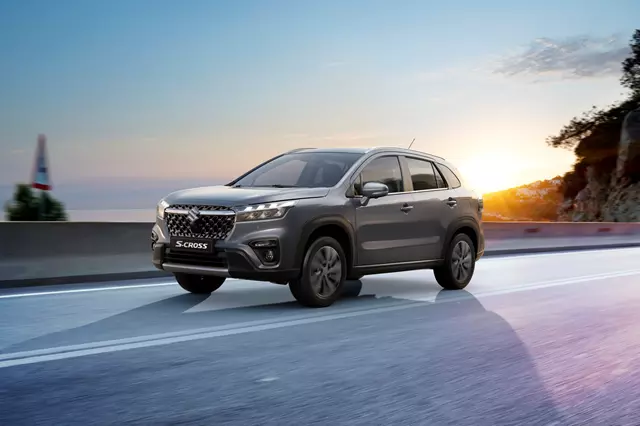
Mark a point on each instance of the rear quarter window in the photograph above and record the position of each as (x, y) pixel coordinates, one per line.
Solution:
(452, 180)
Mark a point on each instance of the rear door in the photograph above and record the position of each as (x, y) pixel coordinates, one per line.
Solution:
(385, 226)
(434, 204)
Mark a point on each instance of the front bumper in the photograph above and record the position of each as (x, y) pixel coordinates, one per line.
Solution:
(233, 258)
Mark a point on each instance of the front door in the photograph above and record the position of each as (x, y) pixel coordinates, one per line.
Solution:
(386, 227)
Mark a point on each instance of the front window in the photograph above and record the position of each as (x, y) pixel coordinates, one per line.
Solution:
(382, 170)
(301, 170)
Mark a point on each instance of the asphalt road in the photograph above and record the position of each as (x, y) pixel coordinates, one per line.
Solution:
(535, 340)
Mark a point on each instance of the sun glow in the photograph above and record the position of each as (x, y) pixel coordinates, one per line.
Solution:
(492, 171)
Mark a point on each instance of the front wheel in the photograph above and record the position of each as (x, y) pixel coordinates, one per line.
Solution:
(324, 270)
(459, 264)
(199, 284)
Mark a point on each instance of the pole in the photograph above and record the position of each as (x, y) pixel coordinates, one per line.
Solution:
(41, 210)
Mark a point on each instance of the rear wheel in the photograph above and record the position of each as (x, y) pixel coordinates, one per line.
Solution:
(323, 273)
(459, 264)
(199, 284)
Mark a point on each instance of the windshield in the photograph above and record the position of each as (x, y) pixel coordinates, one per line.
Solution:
(301, 170)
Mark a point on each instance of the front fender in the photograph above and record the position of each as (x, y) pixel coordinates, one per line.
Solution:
(330, 220)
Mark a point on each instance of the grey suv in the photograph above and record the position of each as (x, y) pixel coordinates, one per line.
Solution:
(313, 218)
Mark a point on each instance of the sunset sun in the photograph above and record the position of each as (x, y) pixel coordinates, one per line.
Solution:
(490, 172)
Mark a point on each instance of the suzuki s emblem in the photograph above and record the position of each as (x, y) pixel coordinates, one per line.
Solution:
(194, 217)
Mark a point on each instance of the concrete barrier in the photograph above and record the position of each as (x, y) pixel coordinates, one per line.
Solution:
(37, 253)
(503, 230)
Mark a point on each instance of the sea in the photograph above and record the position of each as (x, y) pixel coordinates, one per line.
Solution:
(124, 215)
(133, 215)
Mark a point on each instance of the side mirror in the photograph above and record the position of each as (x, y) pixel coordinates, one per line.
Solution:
(373, 190)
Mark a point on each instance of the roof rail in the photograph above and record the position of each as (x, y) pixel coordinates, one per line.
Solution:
(297, 149)
(406, 149)
(437, 156)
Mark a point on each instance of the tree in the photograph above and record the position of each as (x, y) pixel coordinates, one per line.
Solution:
(631, 66)
(595, 136)
(28, 207)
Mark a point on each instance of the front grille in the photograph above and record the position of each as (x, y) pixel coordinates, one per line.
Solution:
(216, 227)
(217, 260)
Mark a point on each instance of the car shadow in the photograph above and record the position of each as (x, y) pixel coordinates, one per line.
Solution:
(171, 315)
(461, 363)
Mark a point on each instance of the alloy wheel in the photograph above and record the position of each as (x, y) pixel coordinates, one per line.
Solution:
(326, 271)
(461, 260)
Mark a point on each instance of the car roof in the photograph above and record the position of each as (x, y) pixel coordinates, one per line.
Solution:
(365, 150)
(355, 150)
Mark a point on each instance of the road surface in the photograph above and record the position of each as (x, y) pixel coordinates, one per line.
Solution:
(547, 339)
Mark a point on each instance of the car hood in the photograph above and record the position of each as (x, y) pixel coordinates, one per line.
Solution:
(229, 197)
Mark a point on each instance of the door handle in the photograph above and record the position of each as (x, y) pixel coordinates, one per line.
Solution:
(406, 208)
(451, 202)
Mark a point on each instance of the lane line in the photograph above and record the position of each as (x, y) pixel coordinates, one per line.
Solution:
(164, 284)
(75, 351)
(84, 290)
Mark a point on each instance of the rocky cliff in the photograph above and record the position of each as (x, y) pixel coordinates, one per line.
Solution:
(614, 197)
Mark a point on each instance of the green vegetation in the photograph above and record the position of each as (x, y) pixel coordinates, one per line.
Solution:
(537, 201)
(27, 206)
(595, 136)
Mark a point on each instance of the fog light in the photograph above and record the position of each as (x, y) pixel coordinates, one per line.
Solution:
(267, 250)
(261, 244)
(154, 240)
(269, 256)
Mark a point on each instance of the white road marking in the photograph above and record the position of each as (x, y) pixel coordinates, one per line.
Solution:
(66, 352)
(84, 290)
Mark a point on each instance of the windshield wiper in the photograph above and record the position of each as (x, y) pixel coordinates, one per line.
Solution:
(277, 185)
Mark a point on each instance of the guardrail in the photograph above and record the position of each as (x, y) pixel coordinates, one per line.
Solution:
(35, 253)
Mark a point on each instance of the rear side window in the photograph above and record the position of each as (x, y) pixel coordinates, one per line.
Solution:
(423, 175)
(383, 170)
(439, 178)
(449, 176)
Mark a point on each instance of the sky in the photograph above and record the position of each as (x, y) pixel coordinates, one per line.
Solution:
(155, 92)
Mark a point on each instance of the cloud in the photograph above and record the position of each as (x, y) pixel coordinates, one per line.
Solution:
(17, 151)
(570, 58)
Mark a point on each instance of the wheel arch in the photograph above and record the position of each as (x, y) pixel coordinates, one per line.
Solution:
(332, 226)
(466, 226)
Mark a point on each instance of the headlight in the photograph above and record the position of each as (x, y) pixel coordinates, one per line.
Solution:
(162, 205)
(264, 211)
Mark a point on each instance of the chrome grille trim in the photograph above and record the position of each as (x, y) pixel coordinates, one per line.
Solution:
(199, 207)
(217, 222)
(202, 212)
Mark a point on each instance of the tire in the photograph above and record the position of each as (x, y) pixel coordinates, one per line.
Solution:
(459, 264)
(319, 284)
(351, 288)
(199, 284)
